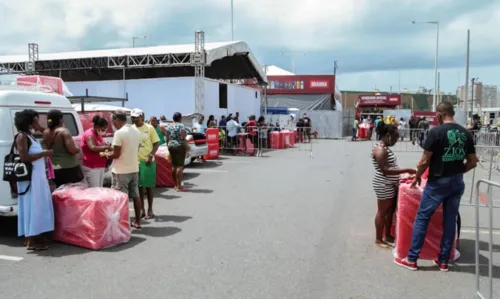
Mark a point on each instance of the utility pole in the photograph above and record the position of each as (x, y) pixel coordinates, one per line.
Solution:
(466, 87)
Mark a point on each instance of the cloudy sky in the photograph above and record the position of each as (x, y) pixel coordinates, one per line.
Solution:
(371, 39)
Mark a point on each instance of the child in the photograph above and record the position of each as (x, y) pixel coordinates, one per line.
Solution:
(222, 137)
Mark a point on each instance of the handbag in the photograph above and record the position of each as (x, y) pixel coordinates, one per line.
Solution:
(15, 170)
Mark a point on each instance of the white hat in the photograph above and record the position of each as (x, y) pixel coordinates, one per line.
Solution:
(136, 112)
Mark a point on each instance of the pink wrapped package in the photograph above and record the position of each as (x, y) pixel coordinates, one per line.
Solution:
(408, 203)
(93, 218)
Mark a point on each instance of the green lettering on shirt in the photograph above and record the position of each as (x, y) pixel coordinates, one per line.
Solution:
(456, 146)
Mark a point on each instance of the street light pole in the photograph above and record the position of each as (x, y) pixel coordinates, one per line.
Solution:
(436, 76)
(436, 61)
(232, 20)
(136, 38)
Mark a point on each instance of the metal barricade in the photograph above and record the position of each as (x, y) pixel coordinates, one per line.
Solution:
(257, 141)
(409, 141)
(486, 201)
(488, 168)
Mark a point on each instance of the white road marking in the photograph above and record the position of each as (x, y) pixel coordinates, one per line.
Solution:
(11, 258)
(205, 170)
(481, 231)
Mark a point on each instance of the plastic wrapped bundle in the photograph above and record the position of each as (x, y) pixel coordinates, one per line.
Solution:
(408, 203)
(364, 131)
(93, 218)
(164, 176)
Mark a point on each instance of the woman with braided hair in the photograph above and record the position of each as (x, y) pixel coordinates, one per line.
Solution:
(386, 181)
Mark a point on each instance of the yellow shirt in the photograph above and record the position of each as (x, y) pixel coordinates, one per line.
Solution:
(148, 138)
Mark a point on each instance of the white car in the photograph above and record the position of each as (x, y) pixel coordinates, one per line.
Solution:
(197, 141)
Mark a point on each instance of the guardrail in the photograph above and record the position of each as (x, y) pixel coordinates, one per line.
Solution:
(488, 202)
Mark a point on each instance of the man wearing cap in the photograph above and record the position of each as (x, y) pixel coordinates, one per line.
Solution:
(125, 167)
(149, 142)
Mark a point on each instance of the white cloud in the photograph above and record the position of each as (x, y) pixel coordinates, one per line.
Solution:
(60, 24)
(451, 78)
(483, 23)
(289, 25)
(300, 25)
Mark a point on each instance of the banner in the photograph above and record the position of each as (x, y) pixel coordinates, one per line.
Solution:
(379, 100)
(302, 84)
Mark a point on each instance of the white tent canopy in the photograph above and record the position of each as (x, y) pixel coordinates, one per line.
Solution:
(272, 70)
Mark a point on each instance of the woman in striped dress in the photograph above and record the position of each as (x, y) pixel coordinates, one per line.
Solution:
(385, 182)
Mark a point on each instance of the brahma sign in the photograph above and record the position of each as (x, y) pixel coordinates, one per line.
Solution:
(386, 100)
(304, 84)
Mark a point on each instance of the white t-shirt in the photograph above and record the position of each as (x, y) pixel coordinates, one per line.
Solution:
(128, 138)
(232, 128)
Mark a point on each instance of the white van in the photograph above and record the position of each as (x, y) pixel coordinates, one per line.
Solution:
(14, 99)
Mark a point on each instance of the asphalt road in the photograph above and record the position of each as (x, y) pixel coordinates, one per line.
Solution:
(281, 226)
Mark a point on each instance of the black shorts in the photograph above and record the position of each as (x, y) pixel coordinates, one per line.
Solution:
(68, 176)
(178, 155)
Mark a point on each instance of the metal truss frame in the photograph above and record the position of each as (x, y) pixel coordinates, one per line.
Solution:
(198, 61)
(33, 56)
(114, 62)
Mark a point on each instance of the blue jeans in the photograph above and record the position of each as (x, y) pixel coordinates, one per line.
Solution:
(448, 191)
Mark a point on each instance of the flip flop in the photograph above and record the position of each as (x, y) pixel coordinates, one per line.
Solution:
(389, 241)
(150, 216)
(136, 225)
(40, 248)
(383, 245)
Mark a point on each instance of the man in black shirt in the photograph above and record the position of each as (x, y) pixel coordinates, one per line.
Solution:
(446, 148)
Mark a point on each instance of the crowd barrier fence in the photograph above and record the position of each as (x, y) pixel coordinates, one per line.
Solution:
(257, 141)
(483, 200)
(411, 139)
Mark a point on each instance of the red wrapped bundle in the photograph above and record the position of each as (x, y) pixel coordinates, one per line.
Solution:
(164, 176)
(93, 218)
(408, 203)
(276, 140)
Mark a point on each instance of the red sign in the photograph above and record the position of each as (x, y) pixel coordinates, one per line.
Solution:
(302, 84)
(388, 100)
(430, 117)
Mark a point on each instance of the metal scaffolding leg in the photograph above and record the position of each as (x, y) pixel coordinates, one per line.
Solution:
(198, 62)
(32, 58)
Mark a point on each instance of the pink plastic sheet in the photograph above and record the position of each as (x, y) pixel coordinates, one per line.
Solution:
(408, 203)
(93, 218)
(50, 169)
(164, 176)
